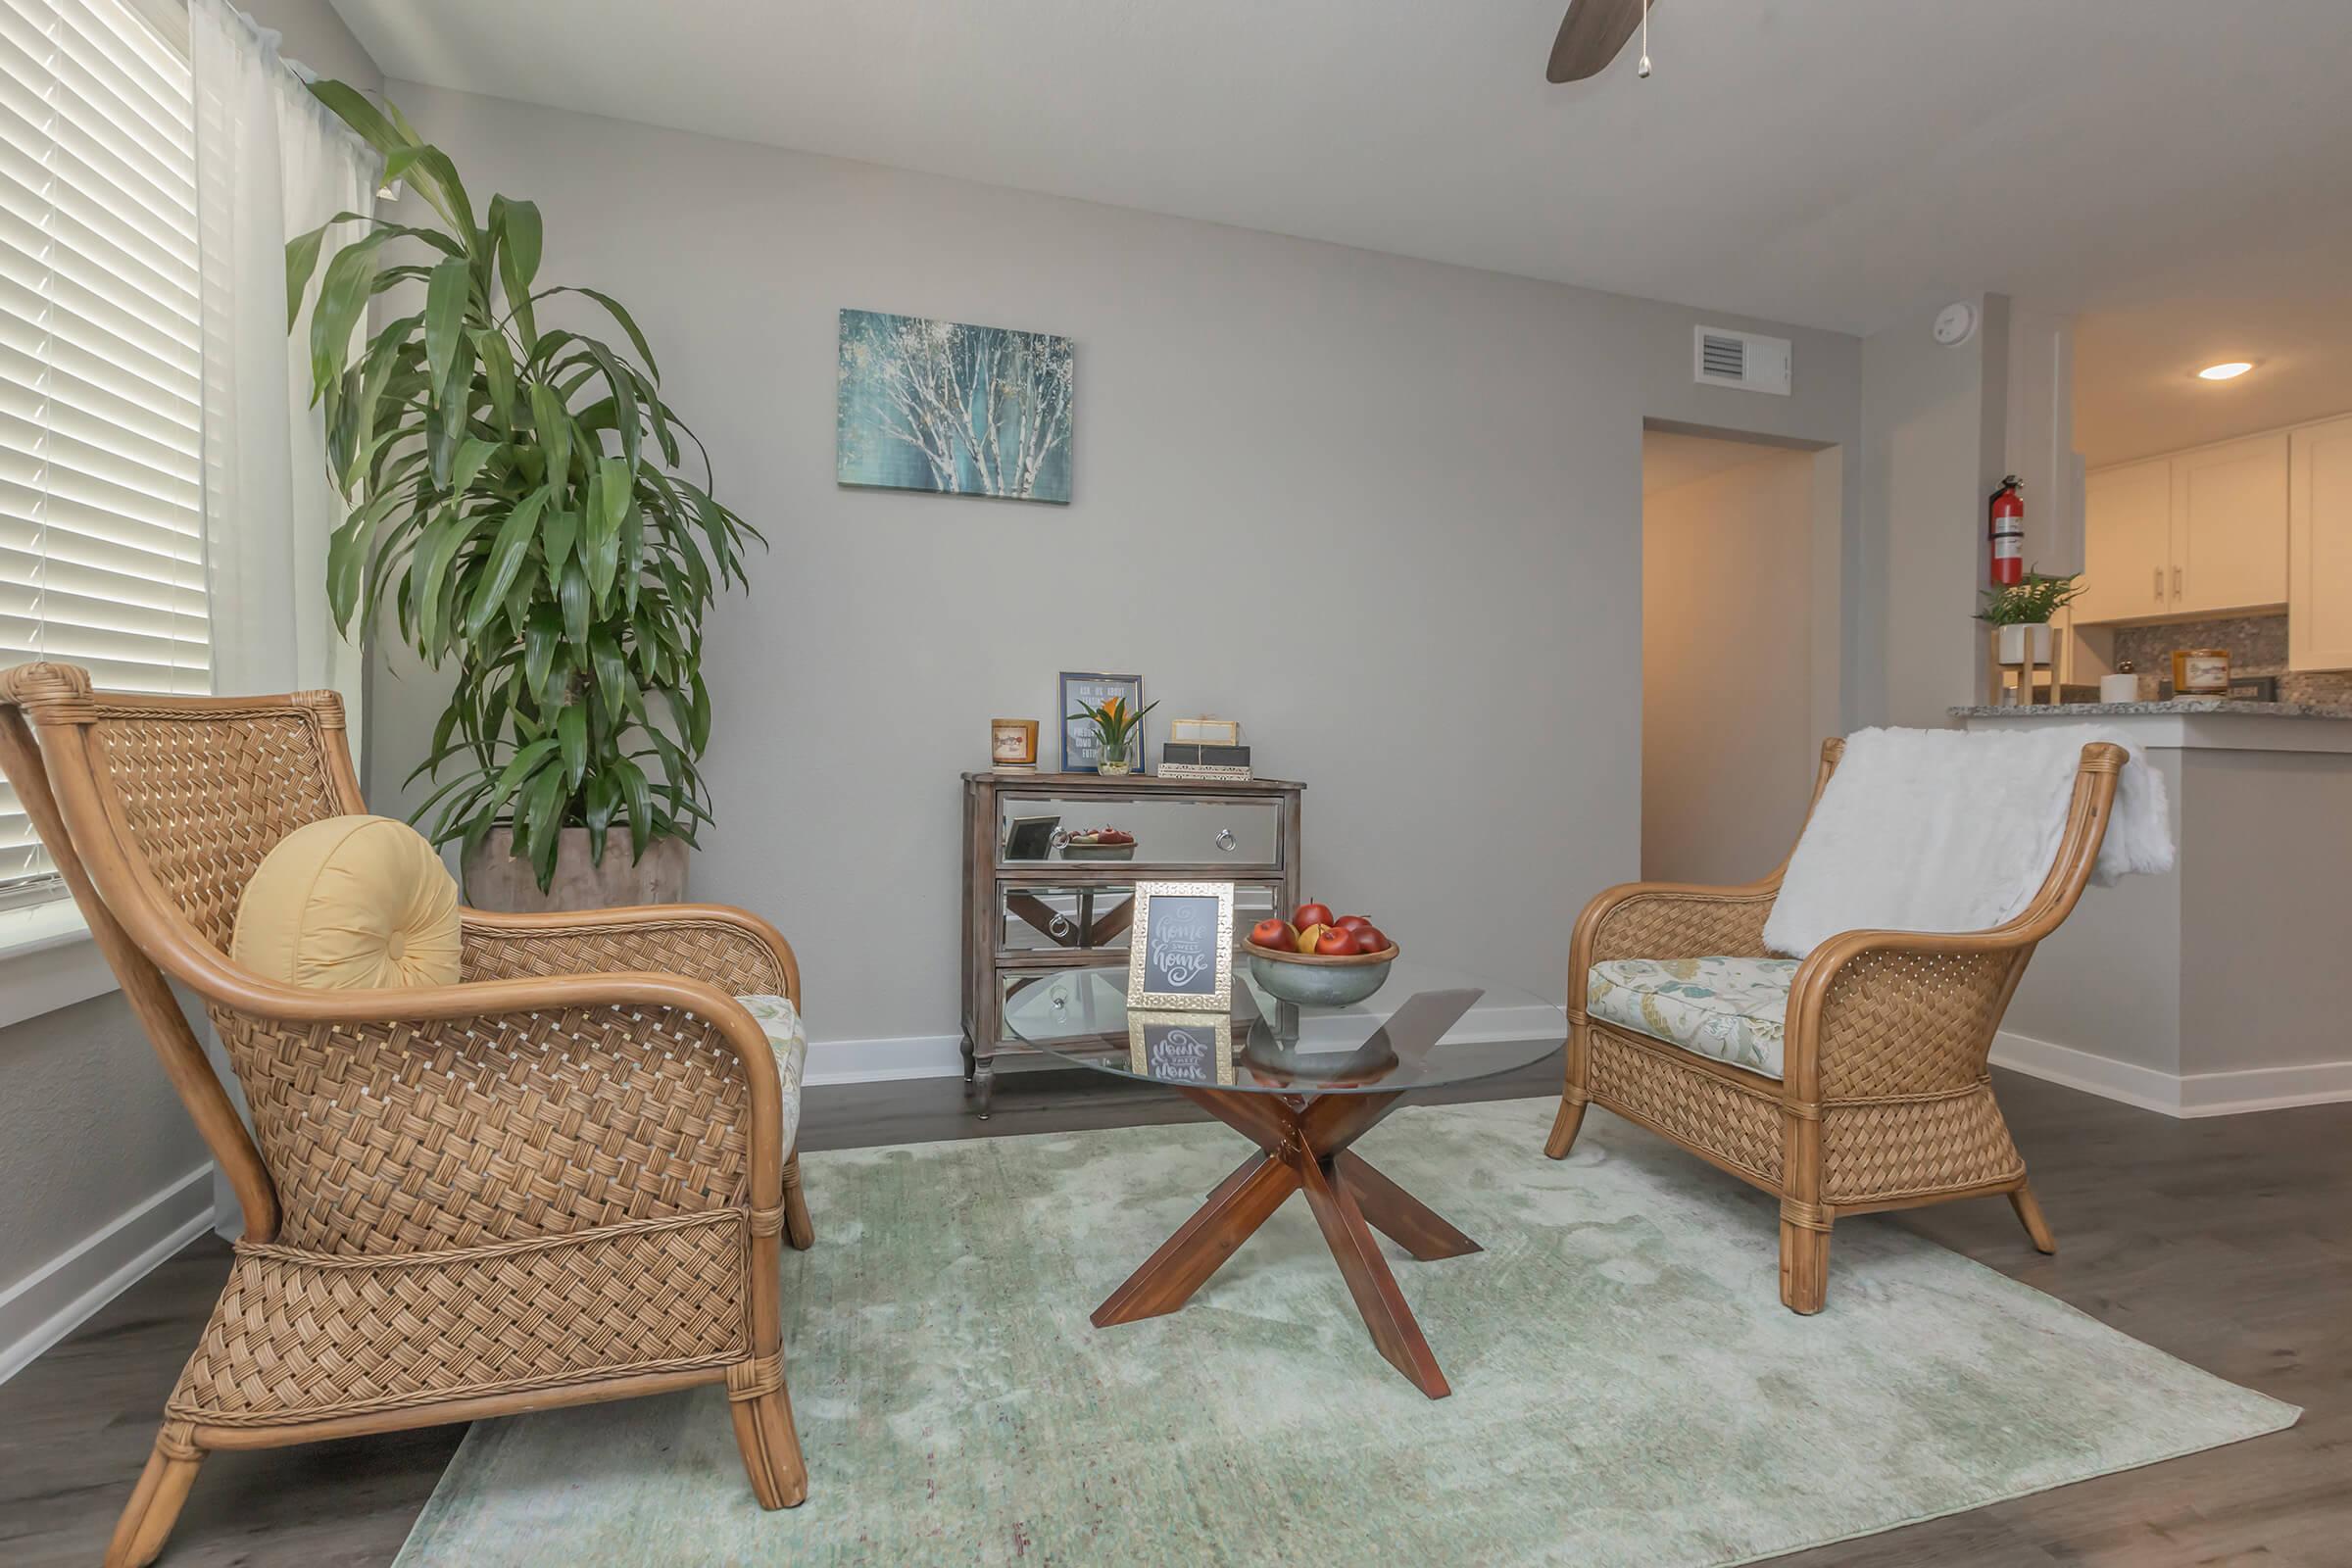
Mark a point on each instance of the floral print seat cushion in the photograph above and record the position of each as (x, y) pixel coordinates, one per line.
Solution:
(790, 1041)
(1734, 1010)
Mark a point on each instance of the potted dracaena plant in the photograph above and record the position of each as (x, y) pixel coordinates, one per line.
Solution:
(2023, 610)
(513, 493)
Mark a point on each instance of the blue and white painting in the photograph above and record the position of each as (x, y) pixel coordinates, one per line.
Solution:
(941, 405)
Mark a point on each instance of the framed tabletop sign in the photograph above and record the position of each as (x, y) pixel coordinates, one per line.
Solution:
(1181, 1047)
(1180, 953)
(1081, 747)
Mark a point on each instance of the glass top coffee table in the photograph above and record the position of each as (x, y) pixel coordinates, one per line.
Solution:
(1302, 1083)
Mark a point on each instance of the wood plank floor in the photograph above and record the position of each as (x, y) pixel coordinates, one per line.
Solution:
(2227, 1242)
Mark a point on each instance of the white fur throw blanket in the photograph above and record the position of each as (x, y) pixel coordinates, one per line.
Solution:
(1949, 830)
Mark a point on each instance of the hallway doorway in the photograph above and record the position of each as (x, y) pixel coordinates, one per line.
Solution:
(1732, 602)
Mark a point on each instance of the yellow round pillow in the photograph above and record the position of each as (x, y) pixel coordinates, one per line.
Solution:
(350, 901)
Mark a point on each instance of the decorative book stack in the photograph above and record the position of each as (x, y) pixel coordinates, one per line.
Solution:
(1205, 749)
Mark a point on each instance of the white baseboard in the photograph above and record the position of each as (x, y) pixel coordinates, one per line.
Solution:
(2185, 1095)
(874, 1061)
(54, 1299)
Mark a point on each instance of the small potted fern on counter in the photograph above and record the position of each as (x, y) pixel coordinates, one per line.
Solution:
(2022, 613)
(513, 493)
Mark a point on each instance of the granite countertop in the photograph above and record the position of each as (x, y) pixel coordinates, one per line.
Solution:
(2178, 705)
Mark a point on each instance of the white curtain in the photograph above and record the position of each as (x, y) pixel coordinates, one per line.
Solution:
(271, 163)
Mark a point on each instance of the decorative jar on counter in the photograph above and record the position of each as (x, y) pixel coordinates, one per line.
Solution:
(2200, 671)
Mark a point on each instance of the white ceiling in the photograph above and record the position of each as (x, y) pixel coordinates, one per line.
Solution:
(2135, 386)
(1834, 162)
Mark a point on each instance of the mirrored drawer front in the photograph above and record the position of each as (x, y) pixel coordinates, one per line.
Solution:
(1092, 919)
(1246, 835)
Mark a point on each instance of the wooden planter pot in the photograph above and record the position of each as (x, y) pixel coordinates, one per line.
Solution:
(497, 878)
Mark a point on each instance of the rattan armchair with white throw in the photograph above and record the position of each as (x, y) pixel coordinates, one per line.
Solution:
(1823, 1033)
(563, 1177)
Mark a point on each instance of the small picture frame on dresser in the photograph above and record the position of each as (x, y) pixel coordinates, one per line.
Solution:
(1180, 954)
(1081, 747)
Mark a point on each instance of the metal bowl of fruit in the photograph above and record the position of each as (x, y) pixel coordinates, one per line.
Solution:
(1318, 961)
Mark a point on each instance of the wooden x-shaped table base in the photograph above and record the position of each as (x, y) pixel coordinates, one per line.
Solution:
(1303, 1147)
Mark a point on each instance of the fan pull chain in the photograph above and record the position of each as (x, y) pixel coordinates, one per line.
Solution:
(1642, 68)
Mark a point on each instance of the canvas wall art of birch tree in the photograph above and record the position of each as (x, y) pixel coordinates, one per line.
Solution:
(928, 404)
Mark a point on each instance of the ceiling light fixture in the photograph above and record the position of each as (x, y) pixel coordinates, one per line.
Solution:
(2226, 372)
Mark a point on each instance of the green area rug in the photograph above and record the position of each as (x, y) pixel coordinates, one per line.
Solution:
(1628, 1389)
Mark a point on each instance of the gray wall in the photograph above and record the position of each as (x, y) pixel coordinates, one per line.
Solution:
(88, 1128)
(311, 32)
(1384, 512)
(1934, 427)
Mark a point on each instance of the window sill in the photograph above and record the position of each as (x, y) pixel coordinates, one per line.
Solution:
(48, 962)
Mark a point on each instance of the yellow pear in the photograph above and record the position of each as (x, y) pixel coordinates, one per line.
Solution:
(1308, 937)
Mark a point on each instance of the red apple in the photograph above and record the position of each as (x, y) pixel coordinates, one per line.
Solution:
(1307, 914)
(1352, 922)
(1369, 938)
(1335, 942)
(1276, 934)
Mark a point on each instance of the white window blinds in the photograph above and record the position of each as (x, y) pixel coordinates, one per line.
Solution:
(101, 558)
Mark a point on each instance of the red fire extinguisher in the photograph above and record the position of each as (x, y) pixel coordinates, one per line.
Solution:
(2008, 533)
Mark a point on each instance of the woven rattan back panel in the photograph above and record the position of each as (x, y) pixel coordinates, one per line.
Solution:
(417, 1137)
(206, 795)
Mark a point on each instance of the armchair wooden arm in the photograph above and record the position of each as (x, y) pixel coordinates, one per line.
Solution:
(730, 948)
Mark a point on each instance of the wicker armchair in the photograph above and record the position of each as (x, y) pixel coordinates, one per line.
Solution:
(557, 1181)
(1885, 1099)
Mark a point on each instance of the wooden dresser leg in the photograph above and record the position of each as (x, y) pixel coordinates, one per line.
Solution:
(2029, 1214)
(155, 1502)
(1805, 1265)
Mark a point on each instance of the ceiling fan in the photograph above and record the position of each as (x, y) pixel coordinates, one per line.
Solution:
(1591, 35)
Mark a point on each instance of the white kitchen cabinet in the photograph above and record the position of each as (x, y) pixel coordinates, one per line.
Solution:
(2127, 542)
(2201, 532)
(2319, 606)
(2230, 526)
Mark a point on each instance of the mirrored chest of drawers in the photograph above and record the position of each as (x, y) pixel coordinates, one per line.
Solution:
(1034, 902)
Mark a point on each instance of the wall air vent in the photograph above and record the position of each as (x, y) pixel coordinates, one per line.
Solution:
(1721, 357)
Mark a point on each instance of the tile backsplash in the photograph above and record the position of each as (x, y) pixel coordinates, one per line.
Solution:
(2257, 646)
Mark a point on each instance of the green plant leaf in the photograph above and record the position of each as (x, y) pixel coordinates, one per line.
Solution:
(573, 594)
(498, 374)
(571, 734)
(302, 259)
(507, 555)
(540, 646)
(600, 541)
(612, 670)
(556, 537)
(445, 301)
(342, 296)
(518, 253)
(640, 800)
(554, 427)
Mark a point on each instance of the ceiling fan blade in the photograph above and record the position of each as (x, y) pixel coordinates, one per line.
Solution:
(1591, 34)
